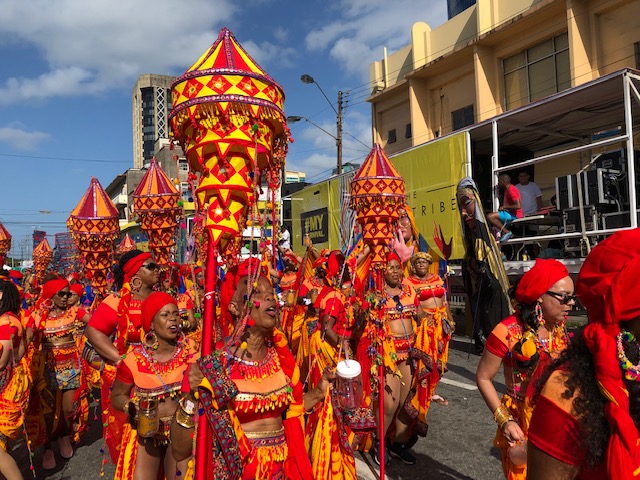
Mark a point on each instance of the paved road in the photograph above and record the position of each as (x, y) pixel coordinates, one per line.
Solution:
(458, 446)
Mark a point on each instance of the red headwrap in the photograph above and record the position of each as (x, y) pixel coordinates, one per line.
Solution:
(606, 280)
(133, 265)
(292, 258)
(50, 288)
(15, 274)
(392, 255)
(152, 305)
(197, 270)
(539, 279)
(76, 288)
(606, 287)
(334, 262)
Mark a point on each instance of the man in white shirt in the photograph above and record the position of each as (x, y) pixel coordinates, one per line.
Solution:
(530, 194)
(284, 241)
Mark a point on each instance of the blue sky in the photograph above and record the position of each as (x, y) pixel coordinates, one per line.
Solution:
(68, 68)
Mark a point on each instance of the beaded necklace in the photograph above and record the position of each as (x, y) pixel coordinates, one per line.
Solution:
(257, 370)
(631, 371)
(177, 360)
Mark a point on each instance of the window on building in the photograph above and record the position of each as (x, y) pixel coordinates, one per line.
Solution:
(407, 130)
(637, 48)
(184, 191)
(537, 72)
(462, 117)
(183, 166)
(391, 137)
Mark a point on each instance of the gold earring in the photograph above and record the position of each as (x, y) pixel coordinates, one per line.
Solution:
(135, 286)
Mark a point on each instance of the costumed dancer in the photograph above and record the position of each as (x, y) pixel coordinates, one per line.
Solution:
(400, 307)
(135, 275)
(524, 344)
(171, 284)
(147, 388)
(485, 278)
(15, 382)
(330, 439)
(251, 390)
(63, 386)
(586, 418)
(435, 327)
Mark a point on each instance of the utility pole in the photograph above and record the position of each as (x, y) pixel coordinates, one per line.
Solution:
(339, 132)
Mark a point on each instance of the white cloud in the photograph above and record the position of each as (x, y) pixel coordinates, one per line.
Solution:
(268, 54)
(366, 26)
(280, 34)
(94, 46)
(15, 135)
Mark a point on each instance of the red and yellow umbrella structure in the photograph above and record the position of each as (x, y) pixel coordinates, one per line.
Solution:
(228, 116)
(377, 192)
(95, 228)
(155, 201)
(42, 256)
(126, 245)
(5, 243)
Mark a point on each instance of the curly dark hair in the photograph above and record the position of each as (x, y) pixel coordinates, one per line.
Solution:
(577, 362)
(118, 270)
(9, 298)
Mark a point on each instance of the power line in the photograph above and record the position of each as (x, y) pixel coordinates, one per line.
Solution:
(63, 159)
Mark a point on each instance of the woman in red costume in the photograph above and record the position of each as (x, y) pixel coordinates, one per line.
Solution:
(524, 343)
(258, 417)
(330, 440)
(119, 315)
(435, 327)
(14, 380)
(586, 418)
(400, 307)
(152, 373)
(57, 328)
(189, 322)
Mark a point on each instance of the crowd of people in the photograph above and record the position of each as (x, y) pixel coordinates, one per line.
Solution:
(273, 392)
(269, 391)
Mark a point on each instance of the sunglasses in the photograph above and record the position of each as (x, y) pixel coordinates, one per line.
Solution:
(563, 298)
(151, 266)
(64, 294)
(404, 220)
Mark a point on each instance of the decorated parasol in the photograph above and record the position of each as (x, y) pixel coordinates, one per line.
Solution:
(5, 243)
(155, 201)
(95, 228)
(228, 117)
(126, 245)
(42, 256)
(377, 192)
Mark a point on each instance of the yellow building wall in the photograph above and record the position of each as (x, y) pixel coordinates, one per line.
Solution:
(616, 29)
(394, 114)
(450, 96)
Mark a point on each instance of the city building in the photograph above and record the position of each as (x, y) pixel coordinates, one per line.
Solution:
(493, 56)
(294, 177)
(151, 104)
(120, 191)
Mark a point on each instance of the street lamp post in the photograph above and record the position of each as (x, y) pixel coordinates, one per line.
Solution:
(338, 136)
